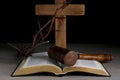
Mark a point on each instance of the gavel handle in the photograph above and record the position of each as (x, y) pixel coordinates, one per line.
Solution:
(98, 57)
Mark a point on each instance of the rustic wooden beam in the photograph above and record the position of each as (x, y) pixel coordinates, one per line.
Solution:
(70, 10)
(60, 20)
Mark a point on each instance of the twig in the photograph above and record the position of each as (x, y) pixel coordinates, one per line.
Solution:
(14, 47)
(39, 40)
(39, 29)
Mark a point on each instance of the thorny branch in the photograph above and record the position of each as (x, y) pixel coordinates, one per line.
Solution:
(39, 37)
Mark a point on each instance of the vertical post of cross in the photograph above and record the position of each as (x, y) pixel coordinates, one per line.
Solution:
(60, 27)
(60, 21)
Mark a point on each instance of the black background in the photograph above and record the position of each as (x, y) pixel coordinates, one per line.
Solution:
(100, 24)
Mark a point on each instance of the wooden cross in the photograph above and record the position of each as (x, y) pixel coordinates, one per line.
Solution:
(60, 28)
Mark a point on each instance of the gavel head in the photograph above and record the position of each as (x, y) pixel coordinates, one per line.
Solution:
(63, 55)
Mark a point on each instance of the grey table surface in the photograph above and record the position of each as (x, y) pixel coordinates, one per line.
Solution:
(9, 61)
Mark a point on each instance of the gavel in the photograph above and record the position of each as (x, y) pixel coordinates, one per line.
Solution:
(69, 57)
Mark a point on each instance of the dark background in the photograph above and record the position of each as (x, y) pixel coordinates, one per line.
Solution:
(18, 22)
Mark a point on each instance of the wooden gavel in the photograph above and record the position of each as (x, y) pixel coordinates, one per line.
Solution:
(69, 57)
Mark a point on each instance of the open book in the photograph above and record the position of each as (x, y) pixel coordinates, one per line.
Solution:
(40, 62)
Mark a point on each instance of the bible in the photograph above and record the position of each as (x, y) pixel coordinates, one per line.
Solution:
(40, 62)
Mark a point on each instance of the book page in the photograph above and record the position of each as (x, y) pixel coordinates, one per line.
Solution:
(38, 59)
(90, 66)
(87, 63)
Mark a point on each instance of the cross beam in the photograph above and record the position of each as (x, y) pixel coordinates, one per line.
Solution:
(60, 28)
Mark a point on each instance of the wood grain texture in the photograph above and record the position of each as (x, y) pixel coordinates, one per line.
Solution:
(99, 57)
(60, 26)
(60, 32)
(62, 55)
(70, 10)
(60, 21)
